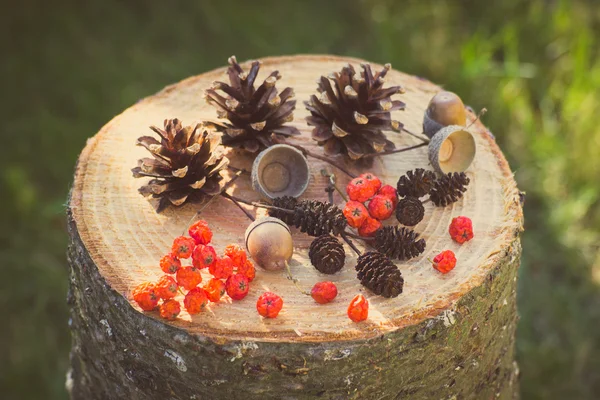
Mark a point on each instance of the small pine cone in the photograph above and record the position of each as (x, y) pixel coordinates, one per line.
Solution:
(416, 183)
(400, 243)
(410, 211)
(287, 203)
(313, 217)
(327, 254)
(449, 188)
(379, 274)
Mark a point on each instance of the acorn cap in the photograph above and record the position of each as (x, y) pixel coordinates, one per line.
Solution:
(444, 109)
(280, 170)
(452, 149)
(269, 243)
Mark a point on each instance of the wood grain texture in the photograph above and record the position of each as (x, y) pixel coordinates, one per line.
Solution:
(126, 238)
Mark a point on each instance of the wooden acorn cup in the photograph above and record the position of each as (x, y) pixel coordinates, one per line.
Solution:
(452, 149)
(269, 242)
(280, 170)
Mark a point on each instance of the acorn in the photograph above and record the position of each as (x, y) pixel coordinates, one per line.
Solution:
(280, 170)
(452, 149)
(269, 243)
(445, 108)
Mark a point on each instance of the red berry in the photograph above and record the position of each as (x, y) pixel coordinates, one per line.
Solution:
(203, 256)
(237, 286)
(170, 309)
(381, 207)
(369, 227)
(360, 190)
(461, 229)
(188, 277)
(200, 232)
(355, 213)
(445, 261)
(215, 289)
(390, 192)
(269, 304)
(166, 287)
(372, 180)
(183, 247)
(248, 270)
(324, 292)
(170, 264)
(145, 296)
(237, 255)
(358, 310)
(222, 268)
(195, 300)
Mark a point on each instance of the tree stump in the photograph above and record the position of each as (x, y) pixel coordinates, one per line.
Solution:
(446, 337)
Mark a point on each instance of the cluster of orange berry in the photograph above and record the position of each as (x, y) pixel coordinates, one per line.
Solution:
(231, 274)
(370, 203)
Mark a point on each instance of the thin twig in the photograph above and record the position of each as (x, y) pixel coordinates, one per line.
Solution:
(422, 139)
(322, 158)
(256, 204)
(332, 182)
(479, 115)
(349, 242)
(402, 150)
(241, 208)
(294, 280)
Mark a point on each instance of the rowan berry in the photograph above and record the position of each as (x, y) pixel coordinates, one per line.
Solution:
(324, 292)
(461, 229)
(200, 232)
(222, 268)
(381, 207)
(203, 256)
(183, 247)
(170, 263)
(390, 192)
(369, 227)
(145, 296)
(170, 309)
(360, 190)
(445, 261)
(166, 287)
(237, 254)
(215, 289)
(188, 277)
(355, 213)
(269, 304)
(372, 180)
(248, 270)
(237, 286)
(358, 310)
(195, 300)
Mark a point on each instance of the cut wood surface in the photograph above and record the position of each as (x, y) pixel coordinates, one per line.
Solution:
(118, 238)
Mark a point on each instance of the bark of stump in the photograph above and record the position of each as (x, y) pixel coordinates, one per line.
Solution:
(447, 337)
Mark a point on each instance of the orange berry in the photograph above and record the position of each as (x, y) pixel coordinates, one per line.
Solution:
(183, 247)
(170, 309)
(215, 289)
(145, 296)
(222, 268)
(248, 270)
(360, 190)
(237, 254)
(237, 286)
(390, 192)
(188, 277)
(203, 256)
(200, 232)
(461, 229)
(324, 292)
(166, 287)
(358, 310)
(372, 180)
(445, 261)
(381, 207)
(355, 213)
(170, 263)
(269, 304)
(369, 227)
(195, 301)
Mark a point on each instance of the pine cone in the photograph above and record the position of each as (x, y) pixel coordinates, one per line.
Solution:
(313, 217)
(253, 114)
(449, 188)
(186, 166)
(327, 254)
(351, 118)
(400, 243)
(410, 211)
(287, 203)
(415, 183)
(379, 274)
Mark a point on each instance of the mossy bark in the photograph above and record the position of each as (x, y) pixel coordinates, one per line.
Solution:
(119, 353)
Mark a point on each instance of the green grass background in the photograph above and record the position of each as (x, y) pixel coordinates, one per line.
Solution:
(68, 66)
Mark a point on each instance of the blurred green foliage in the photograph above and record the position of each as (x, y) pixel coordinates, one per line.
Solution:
(69, 66)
